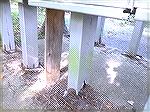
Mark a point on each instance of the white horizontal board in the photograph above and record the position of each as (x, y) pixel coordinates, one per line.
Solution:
(111, 3)
(112, 12)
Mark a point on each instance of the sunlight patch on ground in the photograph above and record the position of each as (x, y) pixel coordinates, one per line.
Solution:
(64, 61)
(42, 82)
(110, 71)
(15, 66)
(36, 87)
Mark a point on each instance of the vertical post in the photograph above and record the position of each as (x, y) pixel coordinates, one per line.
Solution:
(147, 105)
(82, 35)
(100, 28)
(29, 37)
(54, 34)
(7, 26)
(136, 37)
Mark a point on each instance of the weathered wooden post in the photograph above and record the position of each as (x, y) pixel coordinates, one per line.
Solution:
(82, 36)
(29, 37)
(136, 37)
(6, 26)
(54, 34)
(100, 28)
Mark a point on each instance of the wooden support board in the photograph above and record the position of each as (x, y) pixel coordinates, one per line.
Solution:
(136, 37)
(54, 35)
(6, 26)
(29, 37)
(82, 34)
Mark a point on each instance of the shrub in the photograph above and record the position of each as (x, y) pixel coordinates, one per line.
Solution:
(16, 27)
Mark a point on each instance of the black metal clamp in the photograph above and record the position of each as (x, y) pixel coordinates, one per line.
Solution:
(131, 13)
(128, 10)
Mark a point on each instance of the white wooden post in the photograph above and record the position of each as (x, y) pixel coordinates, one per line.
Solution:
(100, 28)
(148, 58)
(7, 26)
(82, 35)
(29, 37)
(147, 105)
(136, 37)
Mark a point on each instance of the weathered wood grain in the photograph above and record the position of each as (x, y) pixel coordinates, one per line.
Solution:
(54, 34)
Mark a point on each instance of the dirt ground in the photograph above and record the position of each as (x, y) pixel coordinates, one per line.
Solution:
(123, 91)
(118, 83)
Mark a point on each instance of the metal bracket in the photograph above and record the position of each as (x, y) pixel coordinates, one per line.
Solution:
(131, 13)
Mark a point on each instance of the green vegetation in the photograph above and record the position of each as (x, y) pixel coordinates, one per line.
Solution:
(41, 16)
(16, 27)
(41, 23)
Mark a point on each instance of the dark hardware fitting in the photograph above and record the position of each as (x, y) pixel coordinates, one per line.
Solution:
(128, 10)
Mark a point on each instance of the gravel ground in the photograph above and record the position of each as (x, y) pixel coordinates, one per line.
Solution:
(118, 83)
(103, 93)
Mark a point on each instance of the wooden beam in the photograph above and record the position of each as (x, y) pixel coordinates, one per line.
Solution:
(7, 26)
(54, 35)
(82, 35)
(100, 28)
(136, 37)
(29, 37)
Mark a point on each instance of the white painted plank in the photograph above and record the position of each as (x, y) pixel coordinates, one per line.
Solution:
(148, 60)
(112, 3)
(29, 37)
(147, 106)
(100, 28)
(82, 34)
(101, 10)
(136, 37)
(7, 26)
